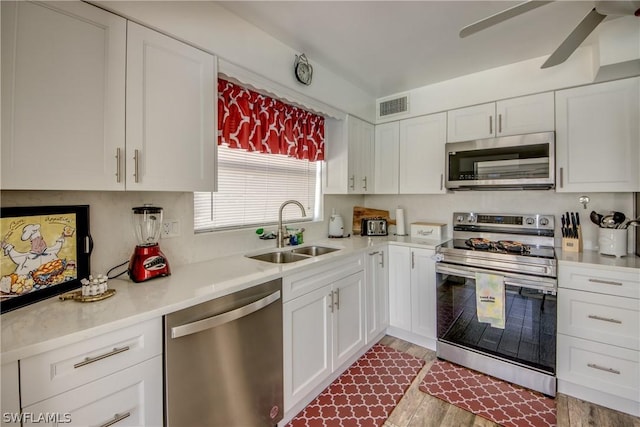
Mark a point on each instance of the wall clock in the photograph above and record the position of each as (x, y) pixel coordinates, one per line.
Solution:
(303, 70)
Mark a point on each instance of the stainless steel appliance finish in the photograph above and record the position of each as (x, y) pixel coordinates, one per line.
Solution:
(504, 163)
(223, 360)
(524, 351)
(374, 227)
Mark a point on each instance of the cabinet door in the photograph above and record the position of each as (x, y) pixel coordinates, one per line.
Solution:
(367, 150)
(526, 114)
(387, 160)
(597, 134)
(171, 119)
(422, 156)
(348, 318)
(130, 397)
(10, 387)
(469, 123)
(63, 91)
(423, 293)
(307, 343)
(377, 293)
(400, 287)
(361, 140)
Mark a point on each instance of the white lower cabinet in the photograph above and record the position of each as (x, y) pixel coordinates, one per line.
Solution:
(323, 328)
(598, 343)
(412, 294)
(10, 380)
(377, 293)
(131, 397)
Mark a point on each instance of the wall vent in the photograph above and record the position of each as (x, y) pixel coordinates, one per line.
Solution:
(389, 107)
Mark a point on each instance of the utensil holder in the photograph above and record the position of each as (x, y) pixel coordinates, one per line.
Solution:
(613, 241)
(572, 244)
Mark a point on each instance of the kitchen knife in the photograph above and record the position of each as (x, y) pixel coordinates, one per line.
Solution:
(574, 227)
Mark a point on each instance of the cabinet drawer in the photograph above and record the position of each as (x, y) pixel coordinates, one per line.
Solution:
(314, 278)
(603, 281)
(56, 371)
(602, 318)
(132, 396)
(602, 367)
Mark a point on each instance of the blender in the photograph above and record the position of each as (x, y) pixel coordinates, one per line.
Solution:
(147, 261)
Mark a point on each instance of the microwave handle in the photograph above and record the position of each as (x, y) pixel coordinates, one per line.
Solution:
(470, 273)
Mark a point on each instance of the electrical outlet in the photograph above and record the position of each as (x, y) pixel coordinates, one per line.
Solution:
(170, 228)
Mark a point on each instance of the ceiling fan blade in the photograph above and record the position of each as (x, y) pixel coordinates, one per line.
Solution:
(573, 40)
(501, 16)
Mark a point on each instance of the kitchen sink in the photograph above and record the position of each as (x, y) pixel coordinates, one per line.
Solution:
(314, 250)
(293, 255)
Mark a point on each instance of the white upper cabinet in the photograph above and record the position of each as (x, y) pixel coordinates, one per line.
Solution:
(63, 96)
(171, 121)
(526, 114)
(387, 160)
(349, 157)
(598, 137)
(422, 141)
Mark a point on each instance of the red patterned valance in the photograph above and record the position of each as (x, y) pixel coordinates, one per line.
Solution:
(254, 122)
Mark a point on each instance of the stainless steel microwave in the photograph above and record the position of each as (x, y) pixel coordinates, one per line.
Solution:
(504, 163)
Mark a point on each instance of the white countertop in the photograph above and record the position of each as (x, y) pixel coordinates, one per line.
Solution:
(52, 323)
(631, 261)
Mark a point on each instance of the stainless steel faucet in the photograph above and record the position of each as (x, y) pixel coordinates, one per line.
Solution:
(281, 232)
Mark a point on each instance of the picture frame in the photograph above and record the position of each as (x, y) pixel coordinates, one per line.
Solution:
(44, 251)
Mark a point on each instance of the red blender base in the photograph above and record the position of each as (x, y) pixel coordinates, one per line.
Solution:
(148, 262)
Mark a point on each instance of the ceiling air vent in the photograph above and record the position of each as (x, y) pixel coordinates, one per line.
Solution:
(389, 107)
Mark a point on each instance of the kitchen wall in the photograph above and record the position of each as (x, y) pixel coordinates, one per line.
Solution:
(441, 207)
(113, 234)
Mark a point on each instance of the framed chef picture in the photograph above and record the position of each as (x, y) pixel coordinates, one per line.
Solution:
(44, 251)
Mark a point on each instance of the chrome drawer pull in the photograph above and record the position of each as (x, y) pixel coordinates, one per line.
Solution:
(602, 368)
(605, 282)
(374, 253)
(116, 419)
(605, 319)
(89, 360)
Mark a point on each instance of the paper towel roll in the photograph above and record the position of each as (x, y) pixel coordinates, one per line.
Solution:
(400, 231)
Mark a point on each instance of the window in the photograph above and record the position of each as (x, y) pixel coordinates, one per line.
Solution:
(251, 188)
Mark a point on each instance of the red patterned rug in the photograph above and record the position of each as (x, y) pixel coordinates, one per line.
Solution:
(365, 394)
(498, 401)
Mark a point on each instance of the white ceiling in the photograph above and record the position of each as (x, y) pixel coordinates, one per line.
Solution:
(386, 47)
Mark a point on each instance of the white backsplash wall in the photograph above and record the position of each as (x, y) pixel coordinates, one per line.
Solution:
(441, 207)
(112, 232)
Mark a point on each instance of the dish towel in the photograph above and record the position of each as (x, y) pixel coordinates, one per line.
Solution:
(490, 299)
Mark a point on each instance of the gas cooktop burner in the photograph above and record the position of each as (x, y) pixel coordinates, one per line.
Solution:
(509, 246)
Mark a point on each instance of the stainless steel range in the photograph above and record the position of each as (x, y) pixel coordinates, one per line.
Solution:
(517, 251)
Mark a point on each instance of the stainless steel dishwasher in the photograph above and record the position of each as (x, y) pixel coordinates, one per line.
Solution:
(223, 361)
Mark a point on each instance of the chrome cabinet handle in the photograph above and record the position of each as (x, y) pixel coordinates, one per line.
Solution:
(382, 259)
(561, 177)
(116, 419)
(221, 319)
(332, 300)
(365, 183)
(605, 282)
(353, 182)
(441, 181)
(374, 253)
(499, 123)
(602, 368)
(118, 169)
(136, 156)
(604, 319)
(89, 360)
(490, 124)
(338, 299)
(413, 260)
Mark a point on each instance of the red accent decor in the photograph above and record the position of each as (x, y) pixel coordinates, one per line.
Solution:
(254, 122)
(503, 403)
(365, 394)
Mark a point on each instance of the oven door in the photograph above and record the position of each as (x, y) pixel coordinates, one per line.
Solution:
(529, 336)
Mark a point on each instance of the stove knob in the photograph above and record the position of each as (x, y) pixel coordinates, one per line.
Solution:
(544, 222)
(530, 221)
(460, 218)
(472, 219)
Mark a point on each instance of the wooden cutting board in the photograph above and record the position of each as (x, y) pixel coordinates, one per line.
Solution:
(360, 212)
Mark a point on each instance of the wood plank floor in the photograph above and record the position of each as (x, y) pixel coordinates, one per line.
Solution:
(418, 409)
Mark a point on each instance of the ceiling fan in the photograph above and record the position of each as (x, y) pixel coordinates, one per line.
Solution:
(601, 10)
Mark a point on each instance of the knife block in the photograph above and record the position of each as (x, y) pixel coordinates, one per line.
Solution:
(571, 244)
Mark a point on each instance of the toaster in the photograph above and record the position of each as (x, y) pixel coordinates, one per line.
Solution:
(373, 227)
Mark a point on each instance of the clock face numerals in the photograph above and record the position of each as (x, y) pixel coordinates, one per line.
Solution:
(303, 70)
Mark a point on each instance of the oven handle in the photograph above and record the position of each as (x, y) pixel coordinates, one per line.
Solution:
(509, 279)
